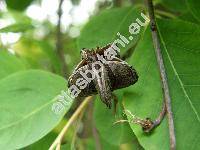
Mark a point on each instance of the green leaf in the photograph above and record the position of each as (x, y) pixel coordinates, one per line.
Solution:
(144, 99)
(188, 17)
(18, 4)
(9, 64)
(44, 143)
(26, 100)
(91, 145)
(181, 57)
(175, 5)
(103, 29)
(17, 27)
(194, 8)
(114, 134)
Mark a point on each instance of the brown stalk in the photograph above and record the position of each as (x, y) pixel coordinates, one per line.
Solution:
(167, 98)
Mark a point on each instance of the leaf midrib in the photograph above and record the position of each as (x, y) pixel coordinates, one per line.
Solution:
(27, 116)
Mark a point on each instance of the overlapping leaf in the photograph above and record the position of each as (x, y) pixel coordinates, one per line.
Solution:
(181, 54)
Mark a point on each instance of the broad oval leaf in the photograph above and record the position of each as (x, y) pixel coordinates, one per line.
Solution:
(114, 134)
(26, 100)
(180, 48)
(103, 28)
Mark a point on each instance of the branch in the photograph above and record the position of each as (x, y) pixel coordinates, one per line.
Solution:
(163, 76)
(161, 115)
(59, 42)
(58, 141)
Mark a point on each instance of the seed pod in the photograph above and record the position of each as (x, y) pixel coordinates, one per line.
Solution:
(120, 74)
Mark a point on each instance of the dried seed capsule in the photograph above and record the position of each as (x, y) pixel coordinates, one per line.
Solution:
(120, 74)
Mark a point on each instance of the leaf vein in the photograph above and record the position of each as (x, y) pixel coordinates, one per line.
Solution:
(27, 116)
(180, 82)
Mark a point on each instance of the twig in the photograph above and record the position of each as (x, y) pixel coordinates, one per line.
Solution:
(149, 125)
(58, 140)
(163, 76)
(161, 115)
(59, 42)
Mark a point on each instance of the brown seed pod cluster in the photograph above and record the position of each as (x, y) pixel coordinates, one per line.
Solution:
(92, 76)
